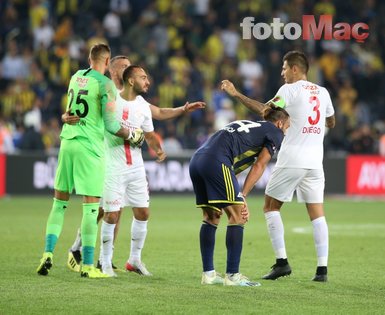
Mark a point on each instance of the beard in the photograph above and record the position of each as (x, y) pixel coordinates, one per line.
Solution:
(139, 90)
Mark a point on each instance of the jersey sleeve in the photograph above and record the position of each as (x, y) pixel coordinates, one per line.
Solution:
(147, 124)
(273, 141)
(329, 105)
(108, 102)
(283, 97)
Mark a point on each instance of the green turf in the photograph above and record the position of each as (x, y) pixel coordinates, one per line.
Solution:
(356, 265)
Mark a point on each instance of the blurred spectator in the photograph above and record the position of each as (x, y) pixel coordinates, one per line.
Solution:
(31, 139)
(171, 144)
(250, 69)
(362, 141)
(13, 65)
(382, 145)
(6, 142)
(43, 35)
(113, 28)
(225, 114)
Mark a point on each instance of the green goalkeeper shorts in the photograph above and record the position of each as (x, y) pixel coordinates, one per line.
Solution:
(80, 168)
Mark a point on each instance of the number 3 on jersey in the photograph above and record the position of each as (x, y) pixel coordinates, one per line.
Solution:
(81, 111)
(313, 100)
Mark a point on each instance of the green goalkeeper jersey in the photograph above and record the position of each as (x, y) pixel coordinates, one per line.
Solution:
(91, 96)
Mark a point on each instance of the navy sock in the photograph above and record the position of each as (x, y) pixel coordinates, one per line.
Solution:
(234, 240)
(207, 243)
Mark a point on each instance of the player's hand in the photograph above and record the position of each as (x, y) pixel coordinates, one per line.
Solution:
(190, 107)
(161, 156)
(136, 137)
(229, 88)
(245, 210)
(245, 213)
(66, 118)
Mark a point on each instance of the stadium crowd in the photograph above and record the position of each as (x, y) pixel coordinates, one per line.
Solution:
(187, 47)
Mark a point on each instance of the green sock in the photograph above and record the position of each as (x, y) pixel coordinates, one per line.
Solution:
(54, 224)
(89, 231)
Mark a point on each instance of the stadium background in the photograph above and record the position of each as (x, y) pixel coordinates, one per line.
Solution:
(187, 47)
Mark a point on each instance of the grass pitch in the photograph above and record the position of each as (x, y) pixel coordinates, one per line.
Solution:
(356, 263)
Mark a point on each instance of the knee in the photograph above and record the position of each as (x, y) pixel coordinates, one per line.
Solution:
(141, 214)
(211, 216)
(111, 217)
(237, 219)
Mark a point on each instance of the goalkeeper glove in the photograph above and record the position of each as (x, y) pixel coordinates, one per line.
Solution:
(136, 137)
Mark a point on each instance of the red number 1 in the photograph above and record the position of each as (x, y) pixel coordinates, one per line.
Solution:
(313, 100)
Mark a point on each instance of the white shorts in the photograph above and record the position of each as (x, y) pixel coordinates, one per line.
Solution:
(126, 190)
(309, 184)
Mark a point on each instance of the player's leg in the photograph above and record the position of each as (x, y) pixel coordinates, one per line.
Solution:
(280, 189)
(311, 191)
(234, 244)
(117, 226)
(277, 237)
(63, 186)
(137, 196)
(202, 182)
(75, 252)
(113, 203)
(138, 238)
(89, 183)
(53, 230)
(100, 217)
(211, 219)
(109, 222)
(224, 192)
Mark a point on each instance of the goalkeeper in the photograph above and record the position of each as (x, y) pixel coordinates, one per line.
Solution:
(91, 97)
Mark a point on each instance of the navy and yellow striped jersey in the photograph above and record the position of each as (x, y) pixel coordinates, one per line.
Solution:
(239, 143)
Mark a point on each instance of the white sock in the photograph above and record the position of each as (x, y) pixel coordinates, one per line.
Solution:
(77, 245)
(321, 240)
(210, 273)
(276, 232)
(107, 243)
(138, 237)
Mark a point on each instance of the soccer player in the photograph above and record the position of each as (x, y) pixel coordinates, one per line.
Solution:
(299, 166)
(91, 96)
(117, 65)
(126, 182)
(213, 170)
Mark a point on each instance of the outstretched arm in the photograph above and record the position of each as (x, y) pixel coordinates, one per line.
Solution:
(256, 171)
(168, 113)
(253, 105)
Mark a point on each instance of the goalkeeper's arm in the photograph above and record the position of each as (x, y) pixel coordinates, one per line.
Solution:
(153, 142)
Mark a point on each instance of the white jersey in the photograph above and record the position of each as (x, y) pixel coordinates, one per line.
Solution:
(308, 105)
(120, 156)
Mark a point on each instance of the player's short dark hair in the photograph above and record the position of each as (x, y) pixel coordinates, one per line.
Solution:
(129, 71)
(297, 58)
(99, 50)
(274, 113)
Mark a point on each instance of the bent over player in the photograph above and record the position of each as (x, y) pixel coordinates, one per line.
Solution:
(213, 170)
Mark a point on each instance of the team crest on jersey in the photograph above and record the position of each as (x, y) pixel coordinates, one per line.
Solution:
(81, 82)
